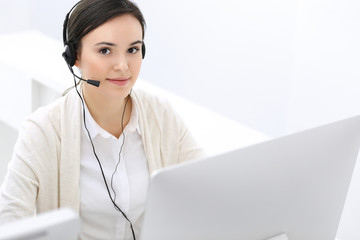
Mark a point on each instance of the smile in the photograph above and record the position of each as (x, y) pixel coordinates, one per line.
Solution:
(119, 81)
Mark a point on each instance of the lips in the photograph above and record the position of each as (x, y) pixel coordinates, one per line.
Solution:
(119, 81)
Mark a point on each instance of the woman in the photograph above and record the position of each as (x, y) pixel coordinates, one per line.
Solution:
(94, 149)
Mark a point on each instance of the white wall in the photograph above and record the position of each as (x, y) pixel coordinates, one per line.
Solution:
(234, 57)
(326, 78)
(275, 65)
(15, 15)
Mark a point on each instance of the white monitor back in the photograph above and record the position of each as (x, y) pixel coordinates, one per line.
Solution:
(295, 184)
(55, 225)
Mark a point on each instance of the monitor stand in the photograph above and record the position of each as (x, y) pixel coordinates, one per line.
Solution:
(282, 236)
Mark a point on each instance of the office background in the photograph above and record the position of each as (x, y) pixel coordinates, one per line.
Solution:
(276, 66)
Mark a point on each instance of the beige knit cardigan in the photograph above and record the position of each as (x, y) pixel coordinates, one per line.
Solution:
(43, 173)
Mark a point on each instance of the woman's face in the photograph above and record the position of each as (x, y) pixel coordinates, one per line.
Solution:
(112, 55)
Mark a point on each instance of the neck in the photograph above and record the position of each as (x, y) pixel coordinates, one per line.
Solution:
(112, 114)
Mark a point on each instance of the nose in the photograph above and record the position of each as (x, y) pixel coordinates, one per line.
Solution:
(121, 63)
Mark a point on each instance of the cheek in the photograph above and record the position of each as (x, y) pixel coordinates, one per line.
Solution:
(135, 67)
(92, 67)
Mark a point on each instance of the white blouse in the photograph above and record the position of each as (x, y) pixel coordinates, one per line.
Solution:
(99, 218)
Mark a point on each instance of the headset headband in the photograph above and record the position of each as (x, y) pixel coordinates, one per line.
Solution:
(65, 25)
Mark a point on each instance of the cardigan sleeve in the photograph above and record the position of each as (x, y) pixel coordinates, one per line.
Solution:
(189, 149)
(19, 189)
(167, 140)
(31, 183)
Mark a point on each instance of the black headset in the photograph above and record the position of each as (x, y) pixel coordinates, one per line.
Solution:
(69, 53)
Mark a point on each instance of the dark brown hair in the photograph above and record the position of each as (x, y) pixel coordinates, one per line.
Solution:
(90, 14)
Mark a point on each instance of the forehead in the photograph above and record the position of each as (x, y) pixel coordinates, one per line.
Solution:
(121, 28)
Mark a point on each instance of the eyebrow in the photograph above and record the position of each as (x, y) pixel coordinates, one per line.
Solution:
(113, 44)
(136, 42)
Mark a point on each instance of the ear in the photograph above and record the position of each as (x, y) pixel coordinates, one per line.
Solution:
(77, 61)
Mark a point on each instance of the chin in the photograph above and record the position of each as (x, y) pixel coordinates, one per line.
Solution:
(118, 92)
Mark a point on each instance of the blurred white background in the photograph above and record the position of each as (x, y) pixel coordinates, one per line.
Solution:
(275, 66)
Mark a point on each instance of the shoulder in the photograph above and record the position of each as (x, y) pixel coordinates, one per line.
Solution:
(155, 107)
(47, 120)
(148, 99)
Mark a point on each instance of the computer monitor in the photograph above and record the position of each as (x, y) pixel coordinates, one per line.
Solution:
(55, 225)
(293, 186)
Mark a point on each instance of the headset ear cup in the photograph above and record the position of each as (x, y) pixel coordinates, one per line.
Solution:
(143, 50)
(69, 54)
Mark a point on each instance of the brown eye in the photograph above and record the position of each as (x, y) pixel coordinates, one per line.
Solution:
(104, 51)
(133, 50)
